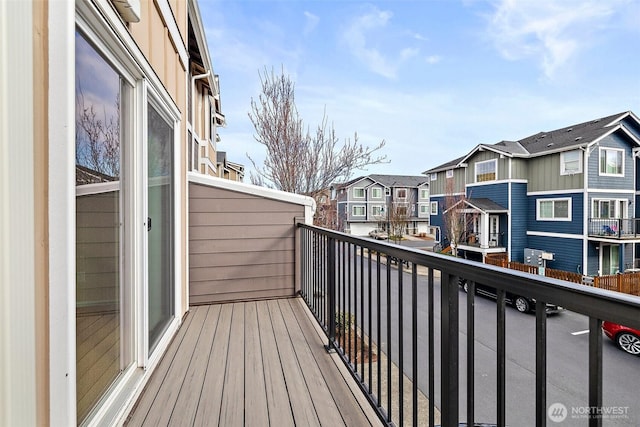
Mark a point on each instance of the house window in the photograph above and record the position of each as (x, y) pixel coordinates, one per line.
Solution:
(424, 193)
(401, 193)
(358, 193)
(433, 176)
(376, 210)
(486, 171)
(376, 193)
(610, 263)
(434, 208)
(554, 210)
(609, 209)
(611, 161)
(424, 209)
(358, 211)
(570, 162)
(450, 173)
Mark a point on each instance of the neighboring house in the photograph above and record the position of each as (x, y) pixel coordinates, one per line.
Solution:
(108, 110)
(363, 203)
(229, 170)
(571, 192)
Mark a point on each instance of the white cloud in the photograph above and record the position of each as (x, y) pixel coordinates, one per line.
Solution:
(433, 59)
(311, 22)
(550, 32)
(409, 52)
(356, 38)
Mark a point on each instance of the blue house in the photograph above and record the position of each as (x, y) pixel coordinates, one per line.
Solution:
(572, 193)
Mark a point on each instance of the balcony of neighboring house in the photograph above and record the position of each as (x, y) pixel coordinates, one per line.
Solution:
(614, 228)
(293, 324)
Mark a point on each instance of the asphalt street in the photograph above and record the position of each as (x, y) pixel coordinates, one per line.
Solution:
(567, 358)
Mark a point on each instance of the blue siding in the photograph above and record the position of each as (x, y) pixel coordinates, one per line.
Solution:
(436, 220)
(499, 193)
(625, 182)
(519, 215)
(568, 252)
(593, 259)
(575, 226)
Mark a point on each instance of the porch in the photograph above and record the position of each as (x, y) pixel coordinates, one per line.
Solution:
(251, 363)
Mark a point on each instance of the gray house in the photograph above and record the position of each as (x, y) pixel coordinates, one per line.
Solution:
(364, 203)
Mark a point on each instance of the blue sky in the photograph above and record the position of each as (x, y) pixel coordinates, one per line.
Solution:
(432, 78)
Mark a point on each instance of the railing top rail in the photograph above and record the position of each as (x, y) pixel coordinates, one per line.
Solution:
(593, 302)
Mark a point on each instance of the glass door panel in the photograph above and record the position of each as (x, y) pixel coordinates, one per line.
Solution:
(99, 227)
(160, 225)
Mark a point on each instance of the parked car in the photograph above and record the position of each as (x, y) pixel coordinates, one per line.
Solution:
(378, 234)
(627, 339)
(521, 303)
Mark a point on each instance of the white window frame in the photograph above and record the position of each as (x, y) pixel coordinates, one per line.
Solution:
(486, 162)
(398, 191)
(539, 202)
(424, 209)
(449, 173)
(377, 210)
(564, 161)
(353, 211)
(424, 191)
(433, 208)
(433, 176)
(376, 193)
(357, 190)
(604, 150)
(620, 208)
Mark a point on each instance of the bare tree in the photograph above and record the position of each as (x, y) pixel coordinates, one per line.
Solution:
(456, 220)
(399, 215)
(97, 139)
(298, 161)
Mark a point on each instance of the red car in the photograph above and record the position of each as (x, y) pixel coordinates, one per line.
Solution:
(627, 339)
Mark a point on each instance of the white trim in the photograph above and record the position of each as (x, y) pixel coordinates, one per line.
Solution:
(605, 191)
(475, 170)
(558, 193)
(97, 188)
(558, 235)
(61, 210)
(355, 196)
(364, 211)
(620, 150)
(255, 190)
(18, 328)
(431, 205)
(559, 199)
(374, 189)
(563, 170)
(497, 181)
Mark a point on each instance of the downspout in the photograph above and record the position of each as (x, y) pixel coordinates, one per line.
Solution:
(193, 110)
(585, 213)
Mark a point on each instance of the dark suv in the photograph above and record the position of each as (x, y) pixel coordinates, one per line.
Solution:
(521, 303)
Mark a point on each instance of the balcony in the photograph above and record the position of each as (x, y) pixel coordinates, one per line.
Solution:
(615, 228)
(362, 321)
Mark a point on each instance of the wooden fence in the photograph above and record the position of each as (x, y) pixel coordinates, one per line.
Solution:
(628, 283)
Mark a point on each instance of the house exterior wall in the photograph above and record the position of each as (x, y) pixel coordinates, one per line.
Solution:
(502, 165)
(574, 226)
(519, 169)
(568, 252)
(599, 181)
(544, 175)
(241, 245)
(518, 218)
(442, 185)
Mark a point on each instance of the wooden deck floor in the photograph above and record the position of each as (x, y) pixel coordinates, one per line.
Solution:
(253, 364)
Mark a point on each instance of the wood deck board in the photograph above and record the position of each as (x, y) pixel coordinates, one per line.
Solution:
(250, 363)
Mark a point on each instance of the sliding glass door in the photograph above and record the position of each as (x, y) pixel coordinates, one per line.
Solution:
(160, 224)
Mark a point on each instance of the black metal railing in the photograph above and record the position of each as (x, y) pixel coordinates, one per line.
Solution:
(377, 317)
(619, 228)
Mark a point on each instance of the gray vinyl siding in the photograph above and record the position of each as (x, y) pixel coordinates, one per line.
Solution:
(439, 186)
(97, 252)
(544, 175)
(241, 246)
(625, 182)
(519, 169)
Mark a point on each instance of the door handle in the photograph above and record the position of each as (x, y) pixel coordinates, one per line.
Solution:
(148, 223)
